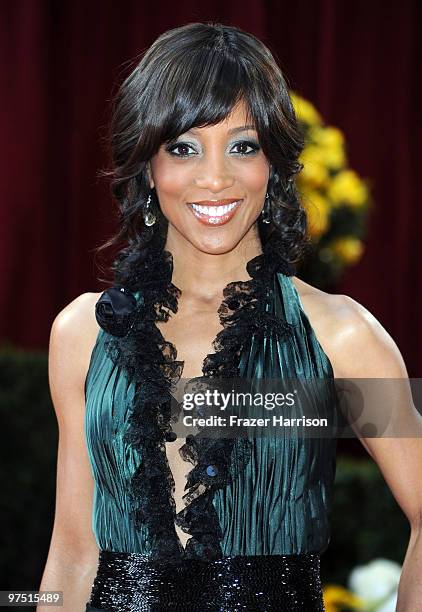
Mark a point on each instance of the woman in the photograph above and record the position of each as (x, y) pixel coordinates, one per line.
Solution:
(205, 148)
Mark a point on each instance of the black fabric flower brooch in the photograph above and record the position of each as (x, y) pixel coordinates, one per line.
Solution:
(116, 310)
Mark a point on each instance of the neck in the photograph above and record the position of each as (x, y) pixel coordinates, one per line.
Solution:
(204, 275)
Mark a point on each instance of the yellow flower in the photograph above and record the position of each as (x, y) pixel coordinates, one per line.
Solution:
(304, 110)
(335, 597)
(335, 158)
(326, 182)
(314, 172)
(346, 187)
(349, 249)
(331, 143)
(318, 212)
(326, 136)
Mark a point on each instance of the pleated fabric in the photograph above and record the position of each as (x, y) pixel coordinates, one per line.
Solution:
(279, 504)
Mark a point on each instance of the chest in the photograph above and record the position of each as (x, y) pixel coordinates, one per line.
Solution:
(192, 331)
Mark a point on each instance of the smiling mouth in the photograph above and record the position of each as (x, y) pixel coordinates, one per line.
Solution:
(215, 215)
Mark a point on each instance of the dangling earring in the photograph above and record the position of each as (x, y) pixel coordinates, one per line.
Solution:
(149, 217)
(266, 211)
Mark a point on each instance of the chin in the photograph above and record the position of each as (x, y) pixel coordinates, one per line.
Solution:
(216, 245)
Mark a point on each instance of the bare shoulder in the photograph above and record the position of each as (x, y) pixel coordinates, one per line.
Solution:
(73, 335)
(80, 311)
(356, 343)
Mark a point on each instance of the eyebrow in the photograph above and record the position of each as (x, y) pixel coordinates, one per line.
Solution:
(241, 128)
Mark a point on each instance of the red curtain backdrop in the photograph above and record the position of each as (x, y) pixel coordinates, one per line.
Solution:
(358, 62)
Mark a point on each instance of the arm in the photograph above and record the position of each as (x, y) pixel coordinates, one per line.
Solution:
(365, 350)
(73, 555)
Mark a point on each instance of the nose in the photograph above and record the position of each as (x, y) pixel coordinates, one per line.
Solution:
(214, 174)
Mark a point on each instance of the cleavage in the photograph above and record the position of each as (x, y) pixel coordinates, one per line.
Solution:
(192, 336)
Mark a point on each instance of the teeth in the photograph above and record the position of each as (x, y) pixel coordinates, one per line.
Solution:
(214, 211)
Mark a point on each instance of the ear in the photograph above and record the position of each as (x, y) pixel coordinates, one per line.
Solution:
(149, 174)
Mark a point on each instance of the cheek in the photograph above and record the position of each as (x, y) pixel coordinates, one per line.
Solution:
(254, 176)
(171, 179)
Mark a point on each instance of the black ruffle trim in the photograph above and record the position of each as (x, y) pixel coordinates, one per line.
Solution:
(150, 362)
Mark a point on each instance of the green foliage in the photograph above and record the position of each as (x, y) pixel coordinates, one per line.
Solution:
(27, 467)
(366, 521)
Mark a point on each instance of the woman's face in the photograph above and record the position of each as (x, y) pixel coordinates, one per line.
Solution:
(211, 183)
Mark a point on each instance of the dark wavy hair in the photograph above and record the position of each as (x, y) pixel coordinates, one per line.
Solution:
(193, 76)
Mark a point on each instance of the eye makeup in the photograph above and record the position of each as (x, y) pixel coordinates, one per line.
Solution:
(251, 144)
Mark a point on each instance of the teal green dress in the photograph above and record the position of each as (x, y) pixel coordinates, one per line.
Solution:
(279, 503)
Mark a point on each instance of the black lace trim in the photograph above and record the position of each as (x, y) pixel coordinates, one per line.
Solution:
(138, 347)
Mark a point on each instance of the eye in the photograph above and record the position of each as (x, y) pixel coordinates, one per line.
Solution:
(180, 149)
(247, 143)
(180, 145)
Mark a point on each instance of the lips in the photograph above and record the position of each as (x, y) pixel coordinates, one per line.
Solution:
(215, 212)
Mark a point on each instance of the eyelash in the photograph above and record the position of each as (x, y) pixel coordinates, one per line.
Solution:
(249, 143)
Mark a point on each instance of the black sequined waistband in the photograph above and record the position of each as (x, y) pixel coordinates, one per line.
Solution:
(128, 582)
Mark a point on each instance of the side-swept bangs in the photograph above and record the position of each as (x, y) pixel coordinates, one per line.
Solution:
(195, 78)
